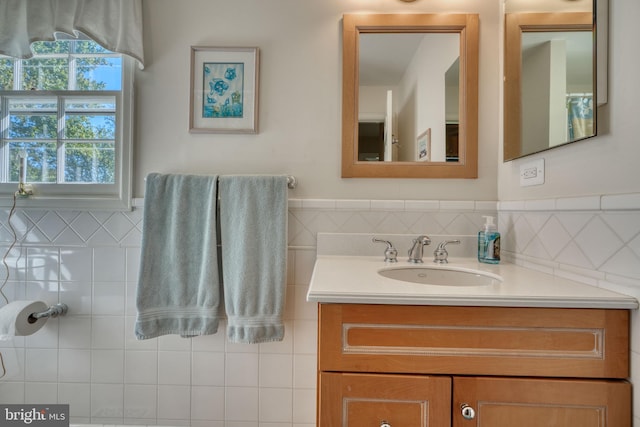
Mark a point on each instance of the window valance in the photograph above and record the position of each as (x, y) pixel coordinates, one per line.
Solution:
(114, 24)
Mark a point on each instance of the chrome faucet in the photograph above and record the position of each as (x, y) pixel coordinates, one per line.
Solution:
(440, 255)
(415, 253)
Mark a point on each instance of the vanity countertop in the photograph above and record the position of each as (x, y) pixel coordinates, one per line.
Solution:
(355, 280)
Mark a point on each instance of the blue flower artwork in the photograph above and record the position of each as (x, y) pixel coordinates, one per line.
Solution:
(223, 85)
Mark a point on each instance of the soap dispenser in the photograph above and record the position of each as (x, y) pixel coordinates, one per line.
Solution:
(489, 242)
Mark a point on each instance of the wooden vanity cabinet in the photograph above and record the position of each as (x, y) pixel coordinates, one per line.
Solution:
(423, 365)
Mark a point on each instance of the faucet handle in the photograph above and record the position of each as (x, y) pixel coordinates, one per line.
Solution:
(390, 253)
(441, 254)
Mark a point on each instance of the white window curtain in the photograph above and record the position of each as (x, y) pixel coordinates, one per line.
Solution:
(114, 24)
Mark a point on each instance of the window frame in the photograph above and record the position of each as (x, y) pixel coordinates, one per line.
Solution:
(75, 196)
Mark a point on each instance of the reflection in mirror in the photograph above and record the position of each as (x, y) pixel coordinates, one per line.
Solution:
(550, 80)
(410, 96)
(417, 77)
(563, 63)
(452, 111)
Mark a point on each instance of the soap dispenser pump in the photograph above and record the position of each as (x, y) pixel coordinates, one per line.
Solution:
(489, 242)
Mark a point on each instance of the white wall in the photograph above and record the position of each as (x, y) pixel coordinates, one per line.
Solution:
(372, 102)
(300, 94)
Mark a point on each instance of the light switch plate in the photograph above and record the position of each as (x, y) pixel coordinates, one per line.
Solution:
(532, 173)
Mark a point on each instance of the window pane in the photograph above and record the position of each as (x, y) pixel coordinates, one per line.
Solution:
(33, 104)
(88, 46)
(45, 74)
(98, 73)
(90, 163)
(42, 161)
(88, 126)
(48, 48)
(33, 126)
(6, 73)
(86, 104)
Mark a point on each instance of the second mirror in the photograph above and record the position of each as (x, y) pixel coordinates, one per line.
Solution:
(550, 80)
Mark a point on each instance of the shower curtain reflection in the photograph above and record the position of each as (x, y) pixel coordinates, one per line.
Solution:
(580, 116)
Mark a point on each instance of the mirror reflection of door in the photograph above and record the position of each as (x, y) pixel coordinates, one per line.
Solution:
(388, 128)
(452, 111)
(370, 141)
(421, 70)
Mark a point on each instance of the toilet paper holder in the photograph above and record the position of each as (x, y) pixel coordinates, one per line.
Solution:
(55, 310)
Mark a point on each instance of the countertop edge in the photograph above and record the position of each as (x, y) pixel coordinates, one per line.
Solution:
(621, 304)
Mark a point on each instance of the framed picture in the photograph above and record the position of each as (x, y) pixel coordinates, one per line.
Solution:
(423, 146)
(224, 90)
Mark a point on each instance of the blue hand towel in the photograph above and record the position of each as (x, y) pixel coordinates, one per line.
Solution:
(253, 228)
(179, 284)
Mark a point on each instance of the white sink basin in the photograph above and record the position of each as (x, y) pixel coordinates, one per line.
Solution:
(441, 276)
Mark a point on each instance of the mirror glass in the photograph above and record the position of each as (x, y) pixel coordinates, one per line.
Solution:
(410, 96)
(550, 78)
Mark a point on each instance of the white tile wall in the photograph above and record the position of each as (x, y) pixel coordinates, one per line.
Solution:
(89, 260)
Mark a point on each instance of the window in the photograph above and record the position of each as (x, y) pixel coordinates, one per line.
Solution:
(67, 111)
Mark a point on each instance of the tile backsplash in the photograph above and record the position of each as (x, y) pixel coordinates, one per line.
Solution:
(91, 359)
(594, 240)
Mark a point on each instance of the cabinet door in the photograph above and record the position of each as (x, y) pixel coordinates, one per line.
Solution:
(364, 400)
(504, 402)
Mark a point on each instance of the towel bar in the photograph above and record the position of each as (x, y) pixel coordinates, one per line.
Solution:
(291, 181)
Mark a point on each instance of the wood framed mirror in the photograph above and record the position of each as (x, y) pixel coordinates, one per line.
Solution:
(550, 81)
(438, 136)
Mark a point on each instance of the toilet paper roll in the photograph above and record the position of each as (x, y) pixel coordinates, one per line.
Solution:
(15, 321)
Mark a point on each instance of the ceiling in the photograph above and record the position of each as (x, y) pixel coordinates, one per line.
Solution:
(385, 57)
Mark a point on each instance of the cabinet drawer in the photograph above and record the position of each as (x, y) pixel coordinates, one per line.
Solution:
(550, 342)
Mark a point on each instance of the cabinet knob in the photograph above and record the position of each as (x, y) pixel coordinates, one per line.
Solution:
(468, 413)
(385, 424)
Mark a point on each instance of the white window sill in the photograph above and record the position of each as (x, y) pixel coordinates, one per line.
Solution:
(105, 203)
